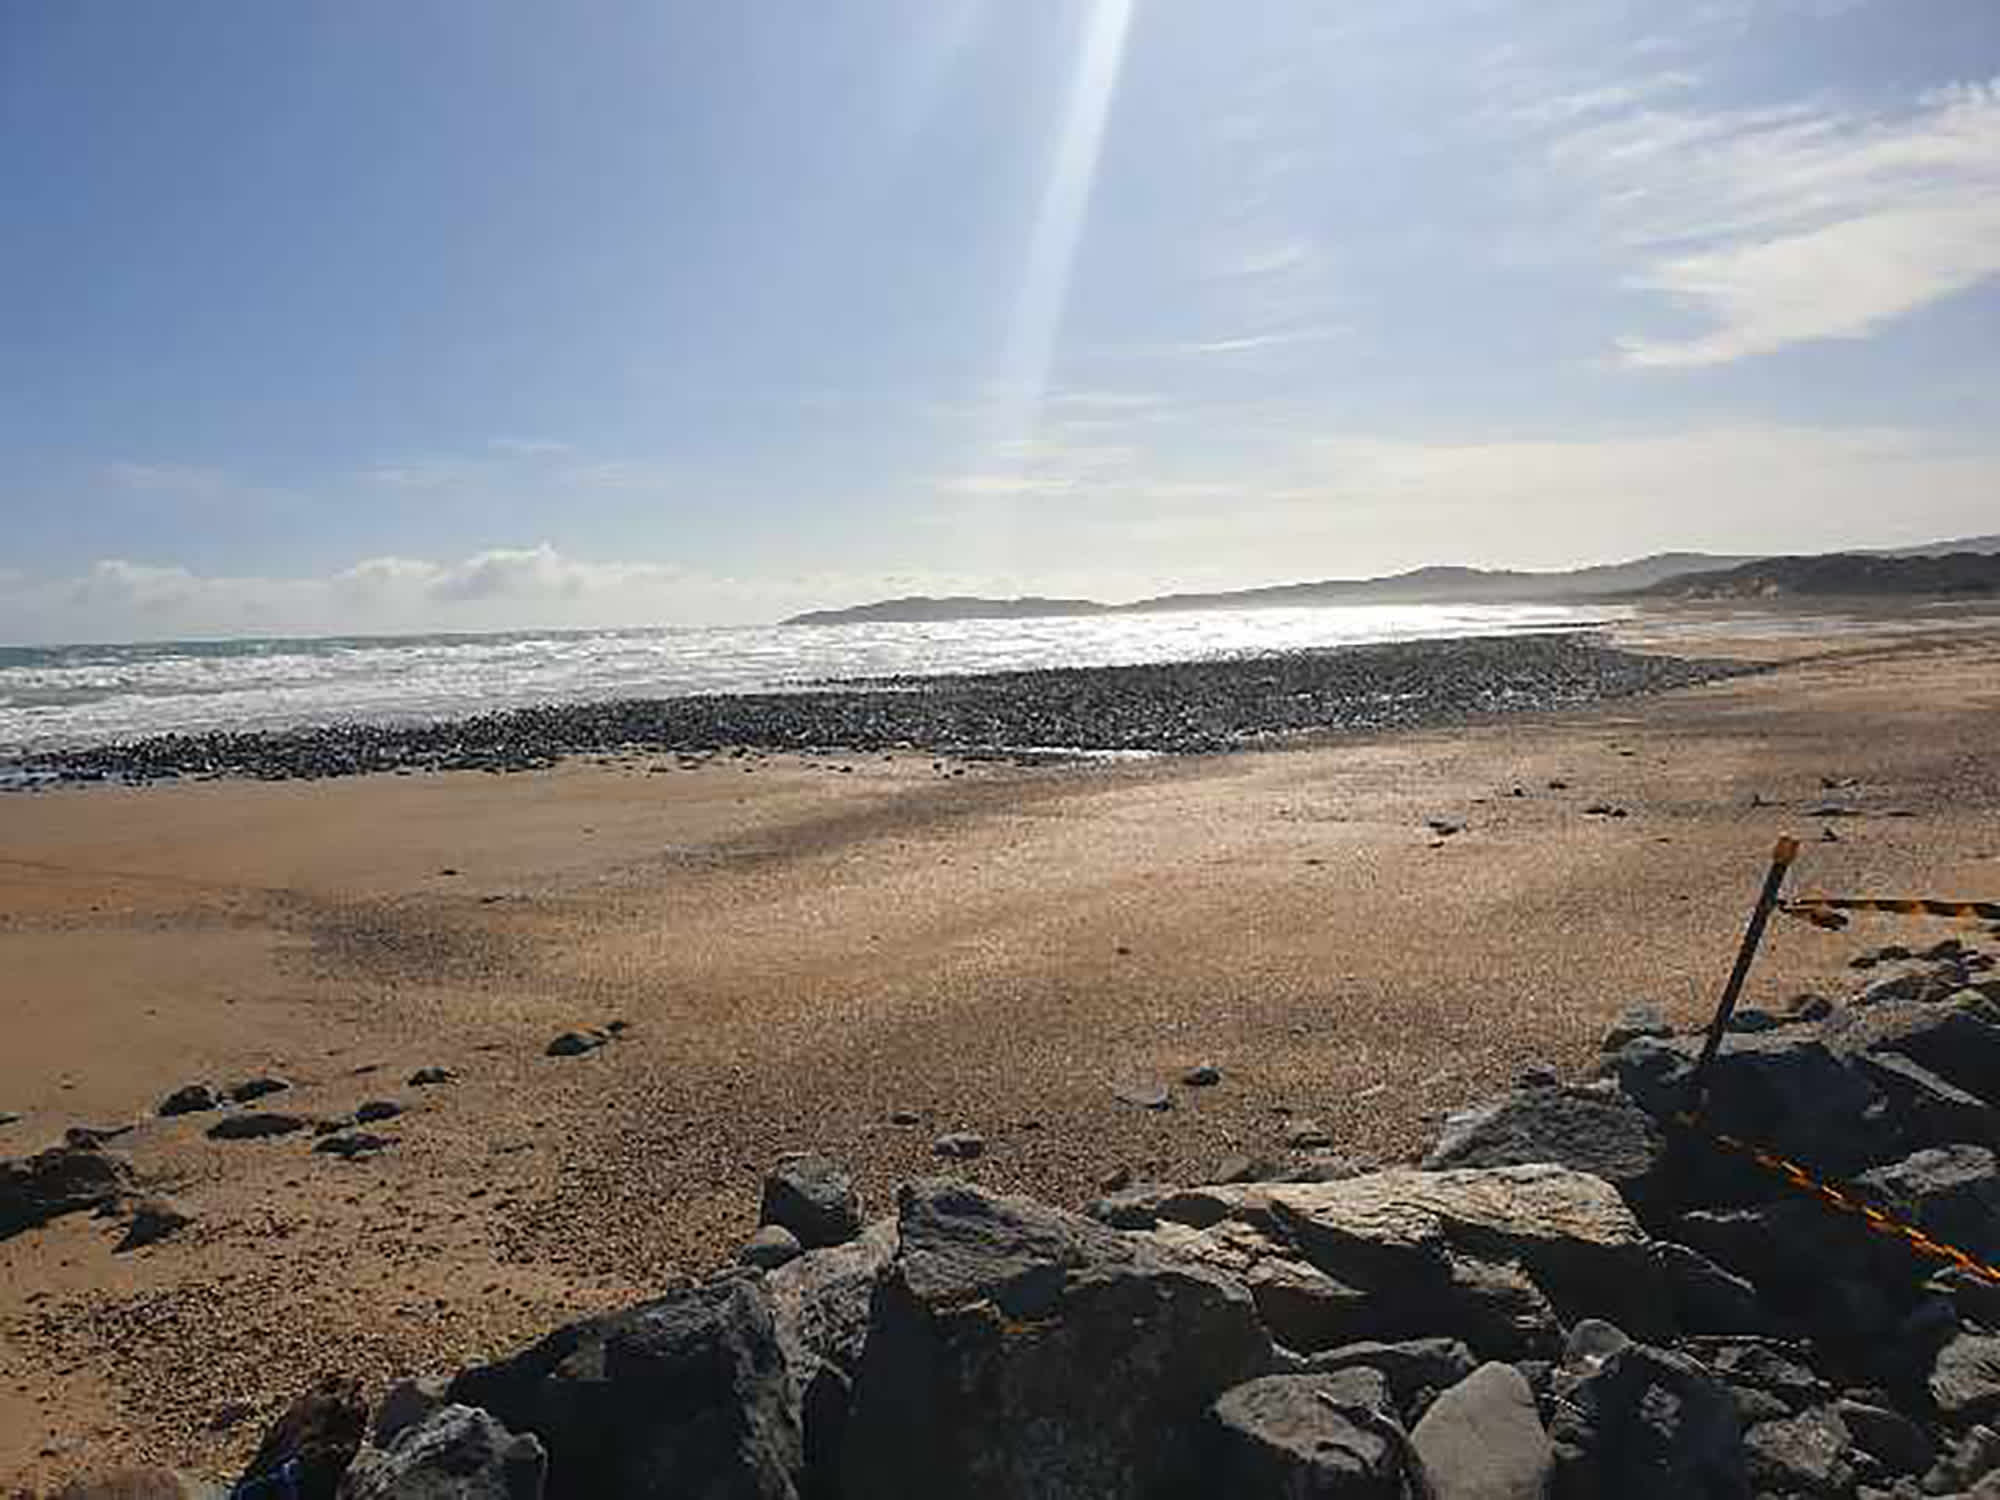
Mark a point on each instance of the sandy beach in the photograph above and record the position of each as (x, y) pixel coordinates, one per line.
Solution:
(808, 948)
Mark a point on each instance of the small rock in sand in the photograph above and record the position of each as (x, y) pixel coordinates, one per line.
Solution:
(904, 1117)
(353, 1144)
(425, 1077)
(771, 1246)
(574, 1044)
(1307, 1135)
(190, 1098)
(1202, 1075)
(961, 1145)
(1143, 1095)
(153, 1219)
(256, 1088)
(254, 1126)
(377, 1109)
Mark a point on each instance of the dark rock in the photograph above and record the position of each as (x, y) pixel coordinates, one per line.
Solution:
(353, 1143)
(1016, 1350)
(316, 1436)
(1588, 1130)
(770, 1247)
(820, 1304)
(1309, 1436)
(453, 1453)
(1748, 1018)
(1498, 1309)
(430, 1077)
(8, 1117)
(190, 1098)
(1965, 1379)
(1956, 1038)
(1950, 1192)
(1483, 1440)
(153, 1219)
(95, 1135)
(960, 1145)
(1929, 1111)
(812, 1197)
(1809, 1008)
(1802, 1455)
(684, 1395)
(1202, 1076)
(1765, 1366)
(1974, 1457)
(1306, 1135)
(406, 1403)
(1976, 1299)
(1537, 1076)
(256, 1088)
(376, 1109)
(1143, 1095)
(255, 1125)
(60, 1180)
(1900, 1445)
(1412, 1366)
(573, 1044)
(1645, 1424)
(1706, 1298)
(905, 1117)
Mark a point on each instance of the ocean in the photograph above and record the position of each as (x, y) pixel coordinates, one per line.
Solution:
(54, 697)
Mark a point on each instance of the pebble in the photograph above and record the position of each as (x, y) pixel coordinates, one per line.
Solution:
(573, 1044)
(904, 1117)
(1144, 1095)
(353, 1144)
(770, 1247)
(256, 1088)
(424, 1077)
(190, 1098)
(961, 1145)
(1202, 1076)
(377, 1109)
(256, 1126)
(1307, 1135)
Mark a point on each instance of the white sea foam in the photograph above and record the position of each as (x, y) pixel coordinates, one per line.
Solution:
(77, 695)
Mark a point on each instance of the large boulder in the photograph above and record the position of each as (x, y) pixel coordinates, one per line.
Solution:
(1413, 1367)
(1644, 1424)
(454, 1453)
(1483, 1440)
(814, 1198)
(1785, 1091)
(312, 1442)
(1014, 1350)
(1316, 1437)
(1958, 1038)
(1965, 1379)
(1593, 1129)
(61, 1180)
(820, 1306)
(685, 1394)
(1496, 1256)
(1952, 1193)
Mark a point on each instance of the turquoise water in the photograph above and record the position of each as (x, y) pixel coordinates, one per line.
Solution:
(87, 694)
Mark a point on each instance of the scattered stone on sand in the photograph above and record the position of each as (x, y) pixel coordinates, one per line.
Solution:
(61, 1180)
(812, 1197)
(255, 1125)
(353, 1143)
(376, 1109)
(1302, 1134)
(1444, 828)
(191, 1098)
(1604, 810)
(1142, 1095)
(148, 1483)
(95, 1135)
(905, 1117)
(959, 1145)
(574, 1044)
(432, 1076)
(770, 1247)
(1202, 1076)
(154, 1219)
(8, 1117)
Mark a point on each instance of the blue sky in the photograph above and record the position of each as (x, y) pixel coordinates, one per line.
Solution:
(372, 316)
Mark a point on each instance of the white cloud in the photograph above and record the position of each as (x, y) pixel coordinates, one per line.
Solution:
(527, 447)
(1781, 226)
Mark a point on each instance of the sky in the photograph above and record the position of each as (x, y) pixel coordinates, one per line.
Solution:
(355, 317)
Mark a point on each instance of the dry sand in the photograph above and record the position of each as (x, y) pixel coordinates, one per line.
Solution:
(805, 946)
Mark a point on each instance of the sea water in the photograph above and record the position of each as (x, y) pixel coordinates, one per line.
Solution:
(57, 696)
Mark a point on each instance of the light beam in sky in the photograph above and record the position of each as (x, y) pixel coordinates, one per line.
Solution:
(1058, 227)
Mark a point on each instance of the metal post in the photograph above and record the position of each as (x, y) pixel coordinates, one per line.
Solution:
(1782, 856)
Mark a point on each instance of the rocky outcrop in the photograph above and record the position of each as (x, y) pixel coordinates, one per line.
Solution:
(1015, 1350)
(454, 1453)
(688, 1392)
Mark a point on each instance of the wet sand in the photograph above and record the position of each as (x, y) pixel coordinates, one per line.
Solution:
(806, 945)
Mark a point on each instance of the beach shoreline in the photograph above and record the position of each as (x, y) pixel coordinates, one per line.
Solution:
(1365, 930)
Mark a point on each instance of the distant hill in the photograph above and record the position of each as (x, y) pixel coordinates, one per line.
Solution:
(1849, 574)
(1454, 585)
(924, 609)
(1434, 585)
